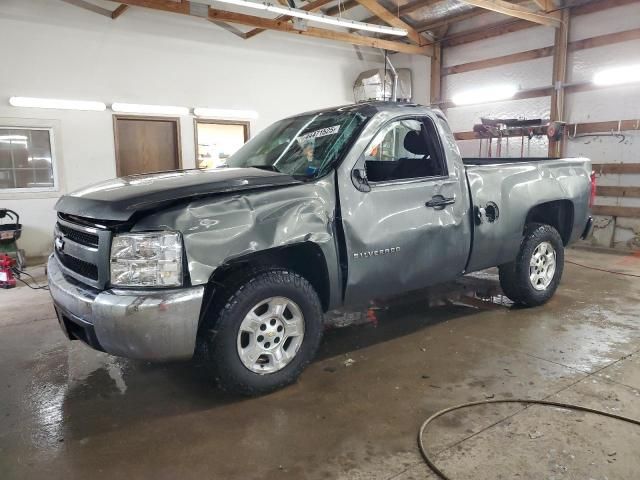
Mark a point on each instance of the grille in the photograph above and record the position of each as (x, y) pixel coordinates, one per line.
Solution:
(83, 238)
(81, 267)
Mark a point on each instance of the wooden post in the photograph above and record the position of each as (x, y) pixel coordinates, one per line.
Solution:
(559, 79)
(436, 74)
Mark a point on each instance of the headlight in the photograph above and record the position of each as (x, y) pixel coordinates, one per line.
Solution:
(151, 259)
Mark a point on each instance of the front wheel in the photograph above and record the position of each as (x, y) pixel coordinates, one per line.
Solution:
(534, 276)
(267, 330)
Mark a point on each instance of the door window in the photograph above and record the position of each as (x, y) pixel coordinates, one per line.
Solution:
(405, 149)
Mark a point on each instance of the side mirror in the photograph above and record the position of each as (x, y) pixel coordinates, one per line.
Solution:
(359, 178)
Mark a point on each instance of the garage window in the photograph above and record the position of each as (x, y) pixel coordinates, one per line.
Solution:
(405, 149)
(27, 161)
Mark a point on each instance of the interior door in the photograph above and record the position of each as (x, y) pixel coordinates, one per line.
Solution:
(146, 144)
(405, 213)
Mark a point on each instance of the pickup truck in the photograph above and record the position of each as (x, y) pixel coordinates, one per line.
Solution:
(319, 210)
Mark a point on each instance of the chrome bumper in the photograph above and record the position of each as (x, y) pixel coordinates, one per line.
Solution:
(148, 325)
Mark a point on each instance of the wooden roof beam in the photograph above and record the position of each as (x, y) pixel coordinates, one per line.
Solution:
(513, 10)
(309, 7)
(215, 15)
(120, 9)
(386, 16)
(285, 26)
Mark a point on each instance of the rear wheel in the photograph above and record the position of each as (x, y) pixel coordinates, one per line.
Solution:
(534, 276)
(264, 333)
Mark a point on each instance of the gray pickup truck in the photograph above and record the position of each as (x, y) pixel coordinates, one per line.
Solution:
(319, 210)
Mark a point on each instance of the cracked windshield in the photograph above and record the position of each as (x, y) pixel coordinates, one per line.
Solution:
(305, 147)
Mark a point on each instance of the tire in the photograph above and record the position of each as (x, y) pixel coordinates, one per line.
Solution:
(516, 277)
(232, 342)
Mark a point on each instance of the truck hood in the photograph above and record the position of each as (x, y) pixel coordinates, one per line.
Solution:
(120, 198)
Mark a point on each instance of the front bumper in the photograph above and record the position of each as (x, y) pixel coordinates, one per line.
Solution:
(142, 324)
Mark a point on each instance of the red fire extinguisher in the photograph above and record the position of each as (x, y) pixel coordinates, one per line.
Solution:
(7, 279)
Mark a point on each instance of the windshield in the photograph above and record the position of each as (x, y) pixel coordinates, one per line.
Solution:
(306, 146)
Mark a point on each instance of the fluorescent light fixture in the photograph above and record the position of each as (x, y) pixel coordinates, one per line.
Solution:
(317, 17)
(225, 114)
(32, 102)
(339, 22)
(485, 94)
(618, 75)
(136, 108)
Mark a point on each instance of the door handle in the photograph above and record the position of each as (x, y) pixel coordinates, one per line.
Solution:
(438, 202)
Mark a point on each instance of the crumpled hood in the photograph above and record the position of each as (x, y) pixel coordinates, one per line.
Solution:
(120, 198)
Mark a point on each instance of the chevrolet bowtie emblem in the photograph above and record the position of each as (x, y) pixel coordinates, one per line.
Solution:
(59, 243)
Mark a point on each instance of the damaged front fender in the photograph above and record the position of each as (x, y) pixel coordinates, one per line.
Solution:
(220, 229)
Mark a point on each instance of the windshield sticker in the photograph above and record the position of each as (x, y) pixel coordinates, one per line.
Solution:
(323, 132)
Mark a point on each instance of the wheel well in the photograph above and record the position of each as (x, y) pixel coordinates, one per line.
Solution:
(304, 258)
(558, 214)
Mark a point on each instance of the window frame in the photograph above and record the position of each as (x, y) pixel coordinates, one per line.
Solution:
(51, 129)
(213, 121)
(421, 118)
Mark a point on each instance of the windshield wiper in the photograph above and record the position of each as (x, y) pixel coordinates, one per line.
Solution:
(271, 168)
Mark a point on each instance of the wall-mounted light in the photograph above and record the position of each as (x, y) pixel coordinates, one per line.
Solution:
(485, 95)
(139, 109)
(316, 17)
(618, 75)
(32, 102)
(225, 114)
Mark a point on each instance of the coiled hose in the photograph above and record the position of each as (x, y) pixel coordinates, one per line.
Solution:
(548, 403)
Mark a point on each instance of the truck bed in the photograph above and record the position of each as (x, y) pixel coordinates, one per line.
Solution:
(503, 160)
(512, 187)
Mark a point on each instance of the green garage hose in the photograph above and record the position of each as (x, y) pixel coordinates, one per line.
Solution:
(568, 406)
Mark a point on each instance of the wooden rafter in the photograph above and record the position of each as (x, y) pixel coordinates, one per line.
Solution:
(386, 16)
(282, 26)
(309, 7)
(514, 10)
(498, 29)
(215, 15)
(120, 9)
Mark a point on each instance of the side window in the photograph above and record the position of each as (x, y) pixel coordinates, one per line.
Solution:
(404, 149)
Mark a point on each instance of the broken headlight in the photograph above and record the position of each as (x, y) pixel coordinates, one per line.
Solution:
(152, 259)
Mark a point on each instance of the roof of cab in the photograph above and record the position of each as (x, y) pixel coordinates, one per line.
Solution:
(369, 108)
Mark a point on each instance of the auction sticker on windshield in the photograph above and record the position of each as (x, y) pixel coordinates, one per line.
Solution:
(323, 132)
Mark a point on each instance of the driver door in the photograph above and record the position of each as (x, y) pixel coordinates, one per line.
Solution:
(404, 212)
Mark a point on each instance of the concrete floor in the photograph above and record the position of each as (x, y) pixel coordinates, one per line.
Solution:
(69, 412)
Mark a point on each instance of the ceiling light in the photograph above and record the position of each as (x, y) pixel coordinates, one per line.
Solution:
(339, 22)
(149, 109)
(485, 94)
(225, 114)
(317, 17)
(31, 102)
(245, 3)
(618, 75)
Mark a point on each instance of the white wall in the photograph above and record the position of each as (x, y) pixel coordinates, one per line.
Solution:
(53, 49)
(608, 104)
